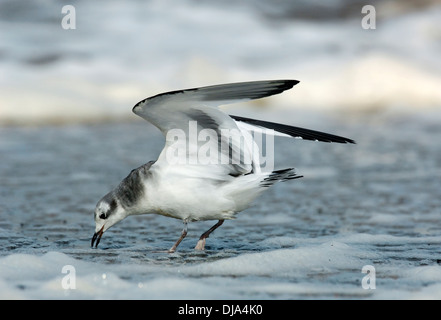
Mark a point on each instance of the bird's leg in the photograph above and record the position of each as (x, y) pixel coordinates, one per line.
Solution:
(201, 243)
(183, 234)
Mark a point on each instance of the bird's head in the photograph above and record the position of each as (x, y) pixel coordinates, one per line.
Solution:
(108, 211)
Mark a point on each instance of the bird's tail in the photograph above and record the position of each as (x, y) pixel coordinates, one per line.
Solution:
(244, 189)
(279, 175)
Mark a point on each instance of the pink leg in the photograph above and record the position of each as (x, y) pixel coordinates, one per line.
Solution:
(183, 235)
(201, 243)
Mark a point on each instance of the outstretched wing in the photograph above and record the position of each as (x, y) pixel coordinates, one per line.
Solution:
(174, 109)
(192, 114)
(290, 131)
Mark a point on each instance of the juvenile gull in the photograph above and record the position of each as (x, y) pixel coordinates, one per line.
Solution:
(183, 185)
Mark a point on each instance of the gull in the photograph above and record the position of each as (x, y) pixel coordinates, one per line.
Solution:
(213, 178)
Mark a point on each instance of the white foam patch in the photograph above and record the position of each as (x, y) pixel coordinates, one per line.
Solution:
(26, 276)
(323, 267)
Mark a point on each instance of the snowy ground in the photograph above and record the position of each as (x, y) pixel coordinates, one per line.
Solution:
(374, 203)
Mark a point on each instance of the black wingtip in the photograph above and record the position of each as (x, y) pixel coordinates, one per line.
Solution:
(292, 83)
(272, 87)
(287, 84)
(296, 132)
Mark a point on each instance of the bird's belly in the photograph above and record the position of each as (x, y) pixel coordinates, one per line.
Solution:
(189, 202)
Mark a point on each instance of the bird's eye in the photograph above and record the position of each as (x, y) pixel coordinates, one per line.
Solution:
(102, 216)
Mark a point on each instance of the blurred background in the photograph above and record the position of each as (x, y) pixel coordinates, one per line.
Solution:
(121, 52)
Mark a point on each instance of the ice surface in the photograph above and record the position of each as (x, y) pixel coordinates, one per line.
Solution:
(374, 203)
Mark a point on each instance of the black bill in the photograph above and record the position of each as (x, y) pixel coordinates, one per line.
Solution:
(97, 236)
